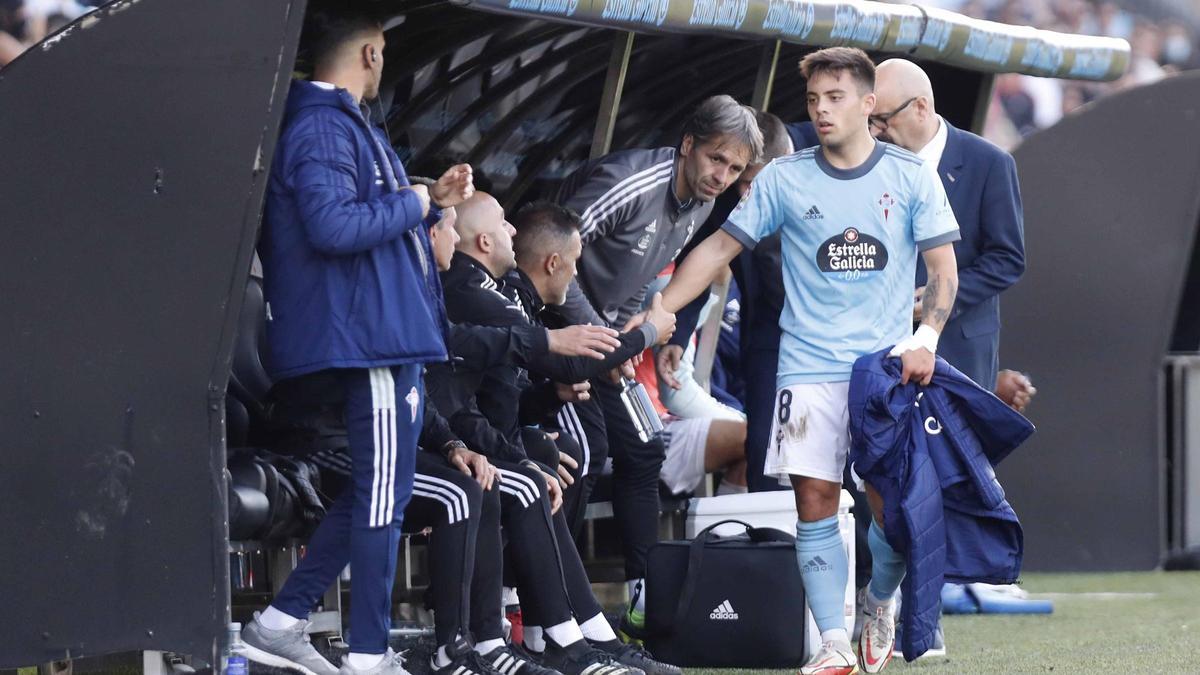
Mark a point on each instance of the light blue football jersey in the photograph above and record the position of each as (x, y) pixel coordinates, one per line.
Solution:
(850, 244)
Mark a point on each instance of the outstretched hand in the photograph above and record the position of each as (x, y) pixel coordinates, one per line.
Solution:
(454, 187)
(583, 340)
(667, 362)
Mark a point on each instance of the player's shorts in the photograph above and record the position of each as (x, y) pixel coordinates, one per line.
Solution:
(683, 467)
(686, 440)
(810, 432)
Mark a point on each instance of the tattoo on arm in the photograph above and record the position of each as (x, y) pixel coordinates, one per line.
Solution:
(938, 301)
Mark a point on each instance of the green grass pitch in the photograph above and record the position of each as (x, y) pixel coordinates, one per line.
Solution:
(1102, 623)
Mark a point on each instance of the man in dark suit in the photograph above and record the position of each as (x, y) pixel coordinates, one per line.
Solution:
(981, 184)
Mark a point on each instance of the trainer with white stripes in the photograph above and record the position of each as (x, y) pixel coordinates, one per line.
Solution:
(639, 208)
(353, 301)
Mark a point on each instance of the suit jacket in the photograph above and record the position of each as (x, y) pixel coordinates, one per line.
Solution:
(981, 183)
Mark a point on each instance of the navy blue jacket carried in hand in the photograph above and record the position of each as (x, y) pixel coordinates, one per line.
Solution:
(929, 452)
(350, 279)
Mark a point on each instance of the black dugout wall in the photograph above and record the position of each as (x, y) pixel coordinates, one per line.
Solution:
(135, 149)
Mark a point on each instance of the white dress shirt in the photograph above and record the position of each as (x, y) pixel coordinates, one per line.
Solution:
(932, 152)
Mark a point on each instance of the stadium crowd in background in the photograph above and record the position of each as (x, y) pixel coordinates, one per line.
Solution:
(25, 22)
(1163, 39)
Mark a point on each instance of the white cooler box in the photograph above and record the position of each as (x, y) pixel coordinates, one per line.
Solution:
(775, 510)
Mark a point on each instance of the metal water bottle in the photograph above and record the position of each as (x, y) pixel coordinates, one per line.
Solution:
(641, 410)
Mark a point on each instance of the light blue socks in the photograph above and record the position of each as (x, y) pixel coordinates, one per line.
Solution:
(824, 569)
(887, 567)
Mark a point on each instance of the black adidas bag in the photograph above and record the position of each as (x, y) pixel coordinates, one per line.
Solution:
(726, 602)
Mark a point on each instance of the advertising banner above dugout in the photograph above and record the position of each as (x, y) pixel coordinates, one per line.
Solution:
(924, 33)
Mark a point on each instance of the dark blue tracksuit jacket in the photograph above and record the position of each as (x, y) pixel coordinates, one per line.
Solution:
(929, 451)
(351, 281)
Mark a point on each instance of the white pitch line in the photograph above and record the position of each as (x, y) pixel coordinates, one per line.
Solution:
(1097, 596)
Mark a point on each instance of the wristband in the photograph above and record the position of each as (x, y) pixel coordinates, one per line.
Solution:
(926, 337)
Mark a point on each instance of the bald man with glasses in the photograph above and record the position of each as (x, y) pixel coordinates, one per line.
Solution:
(980, 181)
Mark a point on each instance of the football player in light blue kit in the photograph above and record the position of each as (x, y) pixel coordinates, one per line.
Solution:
(853, 213)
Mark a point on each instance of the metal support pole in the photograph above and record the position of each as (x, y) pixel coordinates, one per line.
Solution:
(982, 102)
(710, 333)
(764, 82)
(610, 101)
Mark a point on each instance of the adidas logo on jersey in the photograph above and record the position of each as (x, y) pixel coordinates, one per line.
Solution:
(816, 564)
(723, 612)
(813, 213)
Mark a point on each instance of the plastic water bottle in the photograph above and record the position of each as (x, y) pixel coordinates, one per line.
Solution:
(235, 658)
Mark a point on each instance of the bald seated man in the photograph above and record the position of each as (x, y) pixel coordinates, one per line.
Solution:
(484, 286)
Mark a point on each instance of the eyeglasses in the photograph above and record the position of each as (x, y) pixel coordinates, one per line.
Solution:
(881, 120)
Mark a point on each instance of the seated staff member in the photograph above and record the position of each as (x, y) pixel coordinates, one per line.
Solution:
(526, 494)
(478, 290)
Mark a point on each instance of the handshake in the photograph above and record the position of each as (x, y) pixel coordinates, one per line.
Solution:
(597, 341)
(657, 316)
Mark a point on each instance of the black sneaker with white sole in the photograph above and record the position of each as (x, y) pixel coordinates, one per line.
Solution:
(635, 655)
(580, 658)
(511, 661)
(466, 663)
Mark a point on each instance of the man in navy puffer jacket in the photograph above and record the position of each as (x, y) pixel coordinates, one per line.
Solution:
(352, 289)
(929, 452)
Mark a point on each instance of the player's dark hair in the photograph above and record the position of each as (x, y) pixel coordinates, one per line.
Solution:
(835, 60)
(329, 25)
(543, 228)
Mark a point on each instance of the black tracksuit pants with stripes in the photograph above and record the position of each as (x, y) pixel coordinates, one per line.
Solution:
(455, 507)
(589, 451)
(604, 422)
(545, 564)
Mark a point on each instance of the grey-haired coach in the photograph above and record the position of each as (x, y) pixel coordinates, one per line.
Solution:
(639, 208)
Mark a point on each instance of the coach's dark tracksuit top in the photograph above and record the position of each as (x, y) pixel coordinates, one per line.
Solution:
(633, 227)
(487, 416)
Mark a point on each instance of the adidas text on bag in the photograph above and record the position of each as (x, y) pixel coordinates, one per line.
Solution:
(723, 612)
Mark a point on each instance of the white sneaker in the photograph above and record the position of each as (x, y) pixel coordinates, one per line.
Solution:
(877, 639)
(391, 664)
(287, 648)
(831, 659)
